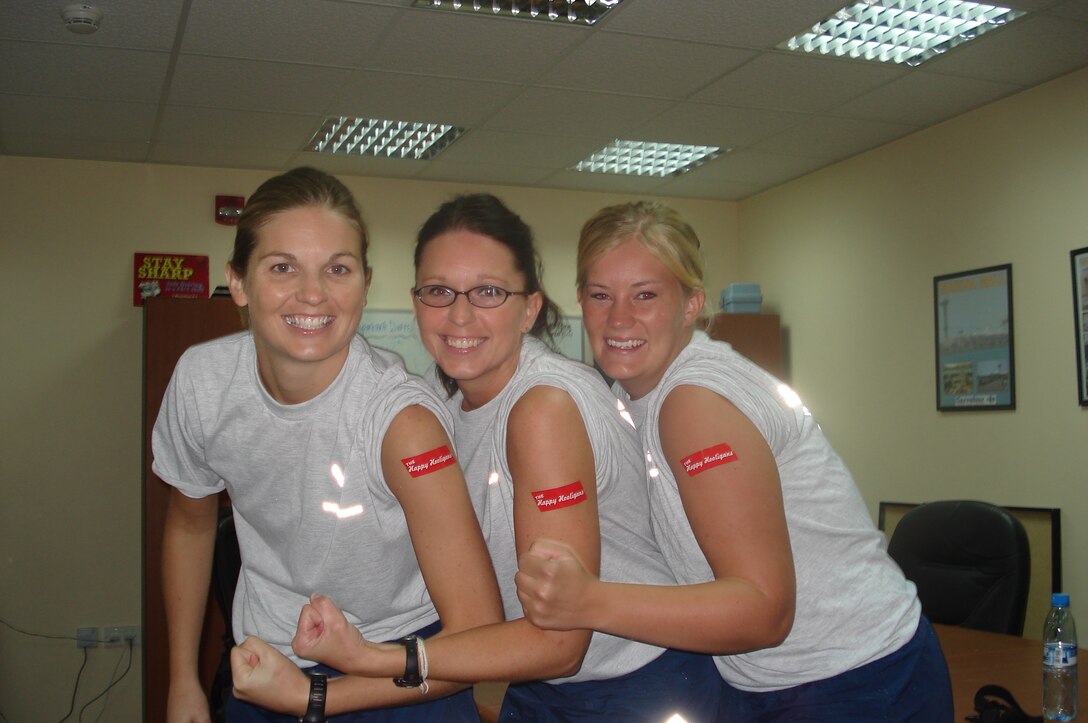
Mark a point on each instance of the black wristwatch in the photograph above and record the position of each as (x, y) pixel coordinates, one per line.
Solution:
(411, 677)
(315, 711)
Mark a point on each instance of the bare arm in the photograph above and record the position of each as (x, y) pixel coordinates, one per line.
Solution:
(188, 542)
(736, 513)
(548, 448)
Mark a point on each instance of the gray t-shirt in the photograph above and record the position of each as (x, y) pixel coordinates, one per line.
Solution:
(853, 603)
(311, 506)
(628, 550)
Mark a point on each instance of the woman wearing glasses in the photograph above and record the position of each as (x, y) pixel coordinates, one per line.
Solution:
(546, 454)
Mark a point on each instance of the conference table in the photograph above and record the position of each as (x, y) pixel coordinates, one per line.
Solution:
(977, 658)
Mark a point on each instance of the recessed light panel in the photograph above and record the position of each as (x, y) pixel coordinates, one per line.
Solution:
(383, 138)
(909, 32)
(641, 158)
(574, 11)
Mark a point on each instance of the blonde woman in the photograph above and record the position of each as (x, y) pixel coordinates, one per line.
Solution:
(782, 575)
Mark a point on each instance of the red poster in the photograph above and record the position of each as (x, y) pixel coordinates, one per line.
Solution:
(177, 275)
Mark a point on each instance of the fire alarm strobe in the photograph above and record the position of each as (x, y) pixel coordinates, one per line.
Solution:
(228, 209)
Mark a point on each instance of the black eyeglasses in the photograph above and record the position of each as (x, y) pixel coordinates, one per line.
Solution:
(484, 297)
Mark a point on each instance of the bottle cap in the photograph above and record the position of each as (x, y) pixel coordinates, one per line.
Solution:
(1059, 599)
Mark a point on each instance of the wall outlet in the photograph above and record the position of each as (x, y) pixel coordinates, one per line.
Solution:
(86, 637)
(117, 635)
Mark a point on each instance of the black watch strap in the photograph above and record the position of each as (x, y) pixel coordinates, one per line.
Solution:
(411, 677)
(315, 710)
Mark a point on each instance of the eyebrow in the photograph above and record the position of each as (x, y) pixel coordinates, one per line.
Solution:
(636, 284)
(292, 257)
(485, 280)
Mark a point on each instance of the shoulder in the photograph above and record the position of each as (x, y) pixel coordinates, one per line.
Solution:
(686, 403)
(225, 346)
(215, 358)
(541, 404)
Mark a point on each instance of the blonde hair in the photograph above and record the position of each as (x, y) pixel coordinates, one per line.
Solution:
(659, 228)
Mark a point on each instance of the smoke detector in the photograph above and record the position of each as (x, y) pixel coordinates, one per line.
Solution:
(81, 18)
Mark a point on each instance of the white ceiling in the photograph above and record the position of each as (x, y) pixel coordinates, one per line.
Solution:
(246, 83)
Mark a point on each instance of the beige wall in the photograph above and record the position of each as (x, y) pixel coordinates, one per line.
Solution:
(848, 256)
(70, 365)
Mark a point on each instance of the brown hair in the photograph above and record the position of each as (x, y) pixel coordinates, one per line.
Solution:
(486, 215)
(302, 186)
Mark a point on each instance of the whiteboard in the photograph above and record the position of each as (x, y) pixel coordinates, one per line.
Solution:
(395, 330)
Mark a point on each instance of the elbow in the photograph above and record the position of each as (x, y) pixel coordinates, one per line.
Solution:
(567, 667)
(568, 650)
(780, 630)
(779, 623)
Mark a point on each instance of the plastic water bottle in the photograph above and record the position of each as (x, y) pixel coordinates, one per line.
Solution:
(1059, 661)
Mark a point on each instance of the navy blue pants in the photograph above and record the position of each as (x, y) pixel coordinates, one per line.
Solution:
(456, 708)
(676, 682)
(909, 685)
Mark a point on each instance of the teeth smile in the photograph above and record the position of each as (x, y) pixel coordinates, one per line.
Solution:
(463, 342)
(309, 323)
(627, 344)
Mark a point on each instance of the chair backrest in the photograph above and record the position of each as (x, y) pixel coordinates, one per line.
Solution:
(970, 562)
(226, 564)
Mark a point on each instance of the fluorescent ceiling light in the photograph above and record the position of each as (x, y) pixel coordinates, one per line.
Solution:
(383, 138)
(575, 11)
(641, 158)
(907, 31)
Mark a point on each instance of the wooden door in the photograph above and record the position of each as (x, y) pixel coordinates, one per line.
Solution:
(170, 327)
(756, 336)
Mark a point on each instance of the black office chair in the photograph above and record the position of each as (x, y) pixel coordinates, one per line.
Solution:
(226, 564)
(970, 561)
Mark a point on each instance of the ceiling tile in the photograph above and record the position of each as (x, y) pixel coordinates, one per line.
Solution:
(247, 129)
(716, 125)
(740, 23)
(476, 47)
(86, 121)
(519, 149)
(74, 71)
(622, 63)
(401, 96)
(254, 85)
(208, 154)
(298, 31)
(785, 81)
(1027, 51)
(484, 173)
(831, 138)
(922, 98)
(548, 110)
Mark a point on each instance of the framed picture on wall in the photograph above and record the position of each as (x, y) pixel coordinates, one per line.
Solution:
(972, 315)
(1079, 260)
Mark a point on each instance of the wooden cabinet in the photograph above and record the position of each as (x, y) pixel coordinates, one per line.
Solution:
(170, 327)
(756, 336)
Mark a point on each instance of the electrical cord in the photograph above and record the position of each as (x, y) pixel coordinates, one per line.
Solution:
(75, 688)
(114, 679)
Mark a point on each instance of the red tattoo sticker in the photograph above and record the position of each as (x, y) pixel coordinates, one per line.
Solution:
(708, 458)
(565, 496)
(429, 462)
